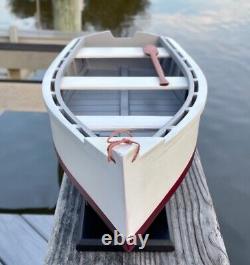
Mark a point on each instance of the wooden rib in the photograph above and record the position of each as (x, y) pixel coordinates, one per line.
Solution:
(107, 123)
(121, 83)
(116, 52)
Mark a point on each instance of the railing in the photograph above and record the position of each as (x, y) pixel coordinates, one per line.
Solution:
(15, 35)
(30, 49)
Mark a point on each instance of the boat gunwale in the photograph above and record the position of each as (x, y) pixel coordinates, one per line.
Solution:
(187, 73)
(66, 59)
(63, 65)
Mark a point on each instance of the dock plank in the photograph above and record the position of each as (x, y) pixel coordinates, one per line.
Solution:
(42, 224)
(20, 244)
(192, 221)
(28, 96)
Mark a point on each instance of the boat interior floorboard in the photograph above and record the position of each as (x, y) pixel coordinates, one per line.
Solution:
(137, 102)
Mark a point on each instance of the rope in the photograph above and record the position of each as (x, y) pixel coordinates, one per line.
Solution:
(113, 143)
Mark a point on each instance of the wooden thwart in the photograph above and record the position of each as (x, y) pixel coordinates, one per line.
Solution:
(116, 52)
(107, 123)
(121, 83)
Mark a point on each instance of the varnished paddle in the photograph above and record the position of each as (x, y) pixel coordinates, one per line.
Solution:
(152, 51)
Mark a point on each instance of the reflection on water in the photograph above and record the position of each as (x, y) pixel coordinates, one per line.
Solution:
(67, 15)
(117, 16)
(216, 33)
(27, 9)
(124, 17)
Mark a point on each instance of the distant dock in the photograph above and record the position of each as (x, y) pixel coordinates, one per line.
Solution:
(22, 52)
(38, 36)
(30, 50)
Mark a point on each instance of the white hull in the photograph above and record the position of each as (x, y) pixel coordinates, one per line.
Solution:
(129, 189)
(126, 193)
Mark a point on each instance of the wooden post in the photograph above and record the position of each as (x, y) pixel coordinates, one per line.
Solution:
(13, 34)
(192, 221)
(67, 15)
(14, 73)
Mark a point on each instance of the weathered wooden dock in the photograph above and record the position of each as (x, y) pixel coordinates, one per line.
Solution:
(192, 222)
(24, 238)
(38, 36)
(21, 96)
(39, 46)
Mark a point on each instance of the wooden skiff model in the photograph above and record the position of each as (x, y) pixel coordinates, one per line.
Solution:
(147, 85)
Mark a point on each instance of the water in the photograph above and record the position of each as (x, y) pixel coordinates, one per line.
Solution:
(217, 34)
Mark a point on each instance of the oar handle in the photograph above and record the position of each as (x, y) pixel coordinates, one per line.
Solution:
(152, 51)
(158, 69)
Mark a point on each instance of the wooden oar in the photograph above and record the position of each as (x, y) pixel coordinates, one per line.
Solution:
(152, 51)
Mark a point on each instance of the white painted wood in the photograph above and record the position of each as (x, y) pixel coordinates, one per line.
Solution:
(157, 169)
(73, 152)
(117, 52)
(126, 83)
(158, 166)
(124, 152)
(106, 123)
(20, 244)
(42, 224)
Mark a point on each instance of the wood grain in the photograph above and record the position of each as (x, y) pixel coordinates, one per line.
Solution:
(192, 221)
(19, 243)
(21, 97)
(42, 224)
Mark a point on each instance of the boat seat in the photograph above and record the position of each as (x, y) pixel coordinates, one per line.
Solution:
(116, 52)
(121, 83)
(110, 123)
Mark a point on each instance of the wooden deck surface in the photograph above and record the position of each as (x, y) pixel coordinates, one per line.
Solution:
(39, 46)
(192, 222)
(49, 37)
(18, 96)
(24, 238)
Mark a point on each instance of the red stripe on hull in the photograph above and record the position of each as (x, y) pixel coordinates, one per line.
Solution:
(150, 219)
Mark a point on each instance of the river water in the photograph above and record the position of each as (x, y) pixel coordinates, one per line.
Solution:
(217, 35)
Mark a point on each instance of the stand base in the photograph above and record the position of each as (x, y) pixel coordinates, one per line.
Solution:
(93, 229)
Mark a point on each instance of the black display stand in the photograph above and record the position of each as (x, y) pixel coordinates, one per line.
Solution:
(93, 228)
